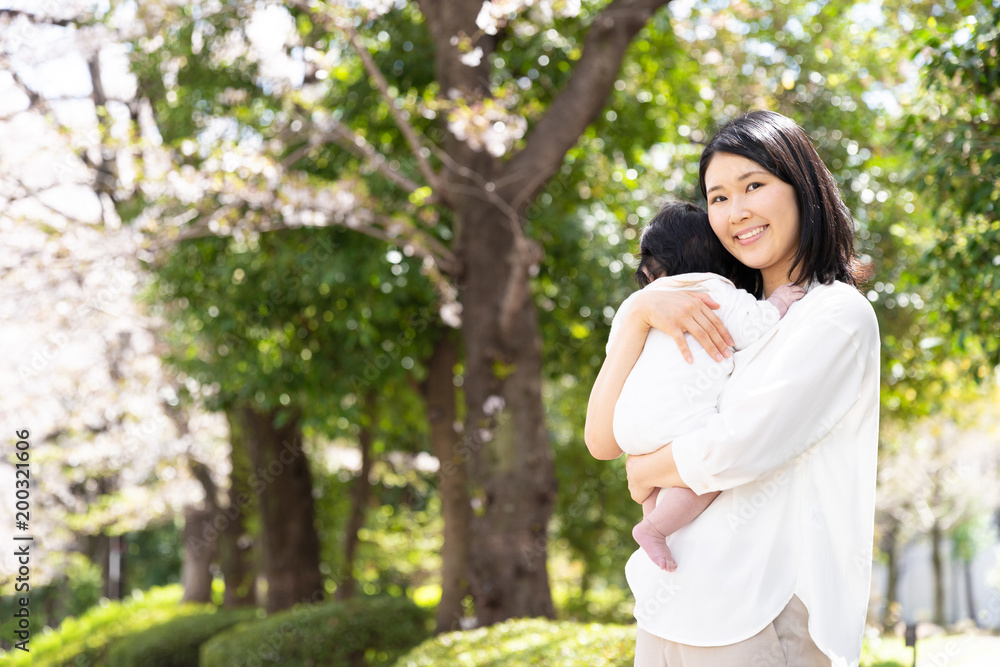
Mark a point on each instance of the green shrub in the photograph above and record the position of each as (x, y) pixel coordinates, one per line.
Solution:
(363, 631)
(532, 641)
(73, 591)
(568, 644)
(175, 643)
(84, 641)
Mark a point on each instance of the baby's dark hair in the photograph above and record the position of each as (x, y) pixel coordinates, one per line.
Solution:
(679, 239)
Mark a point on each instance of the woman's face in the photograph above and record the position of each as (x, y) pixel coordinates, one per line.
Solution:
(755, 214)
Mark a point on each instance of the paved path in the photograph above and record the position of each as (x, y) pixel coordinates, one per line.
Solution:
(959, 651)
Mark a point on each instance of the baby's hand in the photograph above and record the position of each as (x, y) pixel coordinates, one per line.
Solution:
(785, 295)
(789, 292)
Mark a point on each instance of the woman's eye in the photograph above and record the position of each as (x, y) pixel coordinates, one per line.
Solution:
(753, 186)
(716, 199)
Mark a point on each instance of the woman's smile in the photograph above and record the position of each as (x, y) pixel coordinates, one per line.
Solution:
(749, 236)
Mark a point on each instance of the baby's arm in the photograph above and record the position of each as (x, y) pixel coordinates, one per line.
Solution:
(678, 508)
(784, 296)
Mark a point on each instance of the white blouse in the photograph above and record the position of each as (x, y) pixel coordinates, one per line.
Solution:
(793, 448)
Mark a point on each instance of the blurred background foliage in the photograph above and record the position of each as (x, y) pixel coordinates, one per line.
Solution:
(263, 306)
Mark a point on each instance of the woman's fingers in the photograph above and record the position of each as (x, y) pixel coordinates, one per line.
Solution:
(716, 321)
(677, 313)
(705, 327)
(707, 331)
(682, 345)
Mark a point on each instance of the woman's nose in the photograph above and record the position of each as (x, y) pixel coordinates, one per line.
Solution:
(738, 210)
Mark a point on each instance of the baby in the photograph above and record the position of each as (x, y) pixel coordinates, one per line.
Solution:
(664, 396)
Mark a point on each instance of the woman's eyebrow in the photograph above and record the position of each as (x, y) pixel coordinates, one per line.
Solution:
(740, 179)
(750, 173)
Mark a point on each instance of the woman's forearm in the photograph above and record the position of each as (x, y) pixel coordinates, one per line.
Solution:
(625, 349)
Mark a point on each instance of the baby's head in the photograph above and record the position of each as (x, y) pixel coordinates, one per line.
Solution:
(679, 239)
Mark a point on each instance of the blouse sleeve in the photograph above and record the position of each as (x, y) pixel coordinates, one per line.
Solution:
(800, 392)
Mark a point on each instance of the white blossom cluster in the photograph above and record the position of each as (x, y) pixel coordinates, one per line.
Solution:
(82, 373)
(496, 14)
(487, 125)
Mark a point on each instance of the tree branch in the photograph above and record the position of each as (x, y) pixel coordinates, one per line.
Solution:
(291, 202)
(106, 173)
(36, 196)
(351, 141)
(36, 18)
(356, 143)
(580, 102)
(418, 150)
(203, 474)
(34, 99)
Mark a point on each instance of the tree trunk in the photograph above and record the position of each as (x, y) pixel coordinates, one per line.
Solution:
(200, 537)
(236, 552)
(116, 567)
(283, 484)
(937, 562)
(361, 493)
(98, 550)
(453, 480)
(890, 616)
(200, 541)
(970, 592)
(505, 440)
(505, 443)
(512, 472)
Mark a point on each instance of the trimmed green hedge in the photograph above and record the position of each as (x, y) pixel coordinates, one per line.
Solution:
(175, 643)
(84, 641)
(538, 641)
(362, 631)
(532, 641)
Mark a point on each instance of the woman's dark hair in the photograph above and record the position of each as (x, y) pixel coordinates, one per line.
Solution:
(679, 239)
(826, 229)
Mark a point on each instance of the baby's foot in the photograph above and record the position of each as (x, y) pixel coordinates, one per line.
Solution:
(653, 542)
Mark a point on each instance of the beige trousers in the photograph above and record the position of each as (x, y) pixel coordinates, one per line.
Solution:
(785, 642)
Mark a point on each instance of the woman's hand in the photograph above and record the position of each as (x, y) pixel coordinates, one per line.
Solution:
(650, 471)
(637, 487)
(681, 312)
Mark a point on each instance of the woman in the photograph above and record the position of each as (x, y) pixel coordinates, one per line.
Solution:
(777, 570)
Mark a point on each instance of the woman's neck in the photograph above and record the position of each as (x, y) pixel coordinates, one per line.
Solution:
(774, 278)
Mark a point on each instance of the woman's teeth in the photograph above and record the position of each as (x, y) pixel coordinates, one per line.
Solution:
(751, 233)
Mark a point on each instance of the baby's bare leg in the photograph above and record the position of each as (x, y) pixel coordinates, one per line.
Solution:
(649, 504)
(678, 508)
